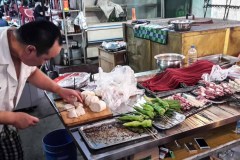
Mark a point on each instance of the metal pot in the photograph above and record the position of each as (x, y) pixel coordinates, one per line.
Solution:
(182, 25)
(169, 60)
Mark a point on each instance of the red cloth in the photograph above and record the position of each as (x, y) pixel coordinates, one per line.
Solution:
(172, 77)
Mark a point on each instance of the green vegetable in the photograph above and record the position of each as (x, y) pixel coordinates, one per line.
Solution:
(174, 104)
(145, 123)
(147, 107)
(148, 99)
(139, 113)
(131, 118)
(160, 102)
(150, 114)
(163, 103)
(159, 109)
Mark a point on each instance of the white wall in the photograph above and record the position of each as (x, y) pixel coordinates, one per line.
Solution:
(234, 14)
(198, 10)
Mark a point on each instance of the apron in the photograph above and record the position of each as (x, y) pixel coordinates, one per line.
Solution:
(10, 144)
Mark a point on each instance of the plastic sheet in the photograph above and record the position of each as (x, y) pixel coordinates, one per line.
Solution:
(219, 74)
(117, 86)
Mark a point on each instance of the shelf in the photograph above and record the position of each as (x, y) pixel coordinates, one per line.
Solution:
(74, 59)
(73, 34)
(72, 10)
(143, 5)
(98, 9)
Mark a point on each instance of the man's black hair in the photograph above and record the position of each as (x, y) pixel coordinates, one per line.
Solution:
(41, 34)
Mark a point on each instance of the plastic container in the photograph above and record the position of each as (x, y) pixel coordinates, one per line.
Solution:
(58, 145)
(134, 14)
(65, 5)
(192, 55)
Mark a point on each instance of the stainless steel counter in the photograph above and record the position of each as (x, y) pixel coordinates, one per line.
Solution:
(212, 117)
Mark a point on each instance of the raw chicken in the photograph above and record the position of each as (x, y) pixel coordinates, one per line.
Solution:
(76, 104)
(98, 106)
(72, 113)
(66, 107)
(84, 94)
(80, 111)
(91, 99)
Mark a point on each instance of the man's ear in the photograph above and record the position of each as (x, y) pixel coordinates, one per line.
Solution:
(30, 49)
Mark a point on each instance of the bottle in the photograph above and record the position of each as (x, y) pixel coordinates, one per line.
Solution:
(238, 127)
(65, 59)
(65, 5)
(134, 18)
(192, 55)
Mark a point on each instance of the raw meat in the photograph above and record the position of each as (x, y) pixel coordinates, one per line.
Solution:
(98, 106)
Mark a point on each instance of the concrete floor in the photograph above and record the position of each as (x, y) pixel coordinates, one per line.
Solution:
(32, 137)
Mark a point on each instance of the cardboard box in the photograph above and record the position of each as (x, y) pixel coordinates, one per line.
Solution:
(108, 60)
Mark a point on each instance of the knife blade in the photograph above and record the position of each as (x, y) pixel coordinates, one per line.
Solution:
(56, 112)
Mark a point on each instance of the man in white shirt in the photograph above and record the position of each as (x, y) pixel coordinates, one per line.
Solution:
(21, 50)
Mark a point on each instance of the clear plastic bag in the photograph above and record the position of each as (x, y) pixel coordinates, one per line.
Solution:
(117, 87)
(219, 74)
(80, 21)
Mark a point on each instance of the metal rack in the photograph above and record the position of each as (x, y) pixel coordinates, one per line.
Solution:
(226, 7)
(83, 33)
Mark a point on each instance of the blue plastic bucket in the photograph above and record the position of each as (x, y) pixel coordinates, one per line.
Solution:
(59, 145)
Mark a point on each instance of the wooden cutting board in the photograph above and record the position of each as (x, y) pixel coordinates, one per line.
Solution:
(88, 117)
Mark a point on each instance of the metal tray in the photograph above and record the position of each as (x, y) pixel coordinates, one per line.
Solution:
(196, 110)
(163, 94)
(167, 122)
(221, 59)
(108, 133)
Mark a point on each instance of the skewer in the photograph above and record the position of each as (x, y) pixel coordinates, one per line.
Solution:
(205, 116)
(192, 122)
(169, 119)
(220, 107)
(152, 133)
(74, 83)
(57, 112)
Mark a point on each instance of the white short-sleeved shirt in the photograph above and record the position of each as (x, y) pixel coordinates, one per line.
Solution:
(10, 87)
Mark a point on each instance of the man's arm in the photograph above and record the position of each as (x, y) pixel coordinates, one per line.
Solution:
(18, 119)
(40, 80)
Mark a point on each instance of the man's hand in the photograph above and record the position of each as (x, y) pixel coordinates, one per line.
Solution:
(69, 94)
(23, 120)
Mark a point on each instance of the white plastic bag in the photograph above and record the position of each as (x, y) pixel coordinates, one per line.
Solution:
(219, 74)
(80, 21)
(117, 86)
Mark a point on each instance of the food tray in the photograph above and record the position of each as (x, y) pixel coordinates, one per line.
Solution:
(196, 110)
(167, 122)
(221, 59)
(108, 133)
(167, 93)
